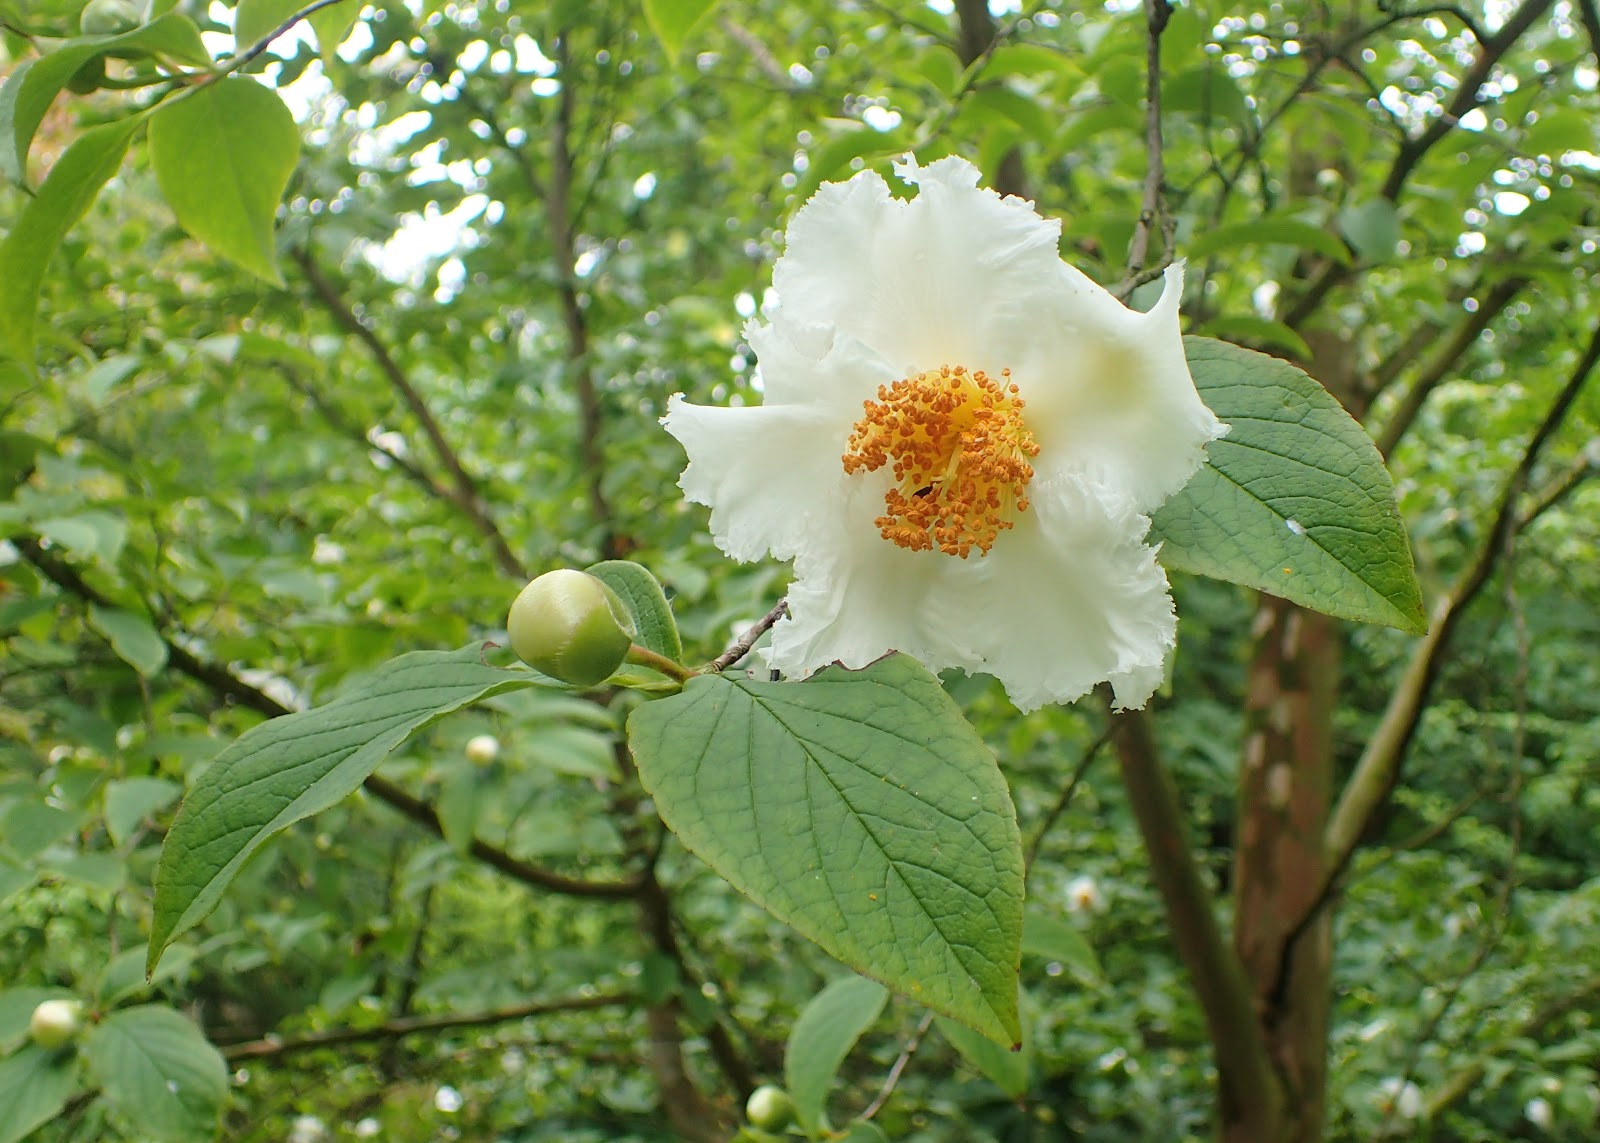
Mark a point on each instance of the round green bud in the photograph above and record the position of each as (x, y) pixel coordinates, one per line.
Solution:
(482, 749)
(570, 626)
(55, 1022)
(108, 17)
(769, 1108)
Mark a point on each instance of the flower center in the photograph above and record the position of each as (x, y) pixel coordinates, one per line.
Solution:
(959, 447)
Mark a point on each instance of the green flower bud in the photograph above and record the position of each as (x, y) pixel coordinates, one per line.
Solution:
(55, 1022)
(570, 626)
(769, 1108)
(108, 17)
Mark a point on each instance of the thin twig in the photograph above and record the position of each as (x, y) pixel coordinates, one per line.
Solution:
(741, 646)
(591, 453)
(913, 1042)
(1439, 365)
(273, 1046)
(1153, 206)
(464, 491)
(1085, 760)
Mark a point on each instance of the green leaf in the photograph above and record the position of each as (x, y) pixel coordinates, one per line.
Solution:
(1261, 331)
(222, 158)
(673, 20)
(1007, 1070)
(863, 1131)
(292, 767)
(457, 807)
(1373, 228)
(1208, 92)
(87, 534)
(1270, 230)
(67, 194)
(157, 1069)
(254, 19)
(1054, 939)
(1294, 501)
(654, 627)
(123, 976)
(129, 801)
(823, 1035)
(860, 808)
(28, 827)
(132, 637)
(30, 90)
(34, 1084)
(332, 25)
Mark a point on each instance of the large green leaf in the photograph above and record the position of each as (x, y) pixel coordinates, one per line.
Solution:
(1294, 501)
(653, 624)
(157, 1069)
(822, 1037)
(30, 90)
(292, 767)
(34, 1084)
(861, 808)
(223, 156)
(74, 182)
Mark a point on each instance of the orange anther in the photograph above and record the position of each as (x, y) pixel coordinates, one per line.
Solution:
(958, 444)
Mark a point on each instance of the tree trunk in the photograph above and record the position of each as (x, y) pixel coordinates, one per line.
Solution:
(1285, 786)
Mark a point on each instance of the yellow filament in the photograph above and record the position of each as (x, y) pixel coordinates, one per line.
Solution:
(959, 449)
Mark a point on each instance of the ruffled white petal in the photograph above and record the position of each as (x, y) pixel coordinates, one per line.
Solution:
(1073, 596)
(815, 365)
(853, 608)
(945, 278)
(770, 475)
(1109, 394)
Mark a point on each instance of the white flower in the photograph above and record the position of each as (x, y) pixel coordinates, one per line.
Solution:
(1083, 895)
(961, 439)
(1539, 1113)
(1405, 1098)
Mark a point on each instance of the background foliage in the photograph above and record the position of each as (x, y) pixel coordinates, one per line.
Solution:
(244, 465)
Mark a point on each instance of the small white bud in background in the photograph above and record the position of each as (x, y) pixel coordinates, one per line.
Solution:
(1539, 1113)
(55, 1022)
(1405, 1098)
(482, 749)
(307, 1129)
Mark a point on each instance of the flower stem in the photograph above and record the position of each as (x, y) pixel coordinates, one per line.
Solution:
(645, 657)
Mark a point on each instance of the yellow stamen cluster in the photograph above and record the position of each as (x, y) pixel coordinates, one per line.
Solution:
(959, 447)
